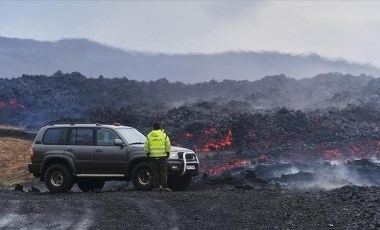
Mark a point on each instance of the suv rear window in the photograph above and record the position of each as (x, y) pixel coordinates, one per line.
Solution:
(55, 136)
(81, 136)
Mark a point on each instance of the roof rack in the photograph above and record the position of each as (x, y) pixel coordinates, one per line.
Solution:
(72, 123)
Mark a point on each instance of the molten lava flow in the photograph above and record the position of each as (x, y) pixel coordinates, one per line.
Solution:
(210, 131)
(362, 150)
(269, 144)
(213, 145)
(13, 103)
(295, 156)
(333, 154)
(358, 151)
(219, 164)
(263, 158)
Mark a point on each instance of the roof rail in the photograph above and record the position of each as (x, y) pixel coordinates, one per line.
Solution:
(72, 123)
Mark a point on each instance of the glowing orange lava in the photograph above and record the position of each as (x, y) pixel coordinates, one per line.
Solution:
(223, 165)
(12, 103)
(213, 145)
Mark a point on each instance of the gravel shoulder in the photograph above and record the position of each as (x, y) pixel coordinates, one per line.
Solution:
(345, 208)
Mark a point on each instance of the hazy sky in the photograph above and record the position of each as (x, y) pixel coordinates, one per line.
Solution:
(347, 29)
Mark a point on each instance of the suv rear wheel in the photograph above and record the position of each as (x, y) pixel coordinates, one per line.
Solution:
(58, 178)
(87, 186)
(142, 178)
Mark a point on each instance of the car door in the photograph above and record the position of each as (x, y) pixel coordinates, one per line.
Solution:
(108, 157)
(81, 148)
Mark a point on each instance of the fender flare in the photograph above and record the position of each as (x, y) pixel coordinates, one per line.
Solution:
(133, 162)
(48, 160)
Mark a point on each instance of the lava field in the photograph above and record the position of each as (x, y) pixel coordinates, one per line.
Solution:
(322, 131)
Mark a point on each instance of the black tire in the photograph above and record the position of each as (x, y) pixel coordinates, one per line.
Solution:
(88, 186)
(180, 183)
(142, 178)
(58, 178)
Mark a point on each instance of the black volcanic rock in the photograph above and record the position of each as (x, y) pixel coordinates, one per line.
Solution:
(211, 116)
(32, 100)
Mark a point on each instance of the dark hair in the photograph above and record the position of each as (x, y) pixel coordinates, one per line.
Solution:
(156, 126)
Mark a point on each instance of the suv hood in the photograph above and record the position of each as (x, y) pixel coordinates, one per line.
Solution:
(174, 148)
(179, 149)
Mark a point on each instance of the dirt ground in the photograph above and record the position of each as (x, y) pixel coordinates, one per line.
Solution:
(121, 208)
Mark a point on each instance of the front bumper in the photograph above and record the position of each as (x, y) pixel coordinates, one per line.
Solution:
(187, 163)
(178, 167)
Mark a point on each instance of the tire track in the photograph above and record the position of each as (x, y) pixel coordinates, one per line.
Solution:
(153, 212)
(46, 212)
(9, 212)
(161, 213)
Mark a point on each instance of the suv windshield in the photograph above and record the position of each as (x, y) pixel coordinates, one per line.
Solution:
(132, 135)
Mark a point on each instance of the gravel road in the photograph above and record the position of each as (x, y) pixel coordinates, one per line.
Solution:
(345, 208)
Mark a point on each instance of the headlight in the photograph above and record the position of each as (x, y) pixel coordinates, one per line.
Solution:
(173, 155)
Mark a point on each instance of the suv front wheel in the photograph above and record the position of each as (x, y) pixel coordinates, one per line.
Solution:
(58, 179)
(142, 178)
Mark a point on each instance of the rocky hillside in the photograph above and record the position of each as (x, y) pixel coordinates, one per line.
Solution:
(32, 100)
(328, 117)
(22, 56)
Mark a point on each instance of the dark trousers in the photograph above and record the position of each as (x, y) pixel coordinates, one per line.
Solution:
(160, 172)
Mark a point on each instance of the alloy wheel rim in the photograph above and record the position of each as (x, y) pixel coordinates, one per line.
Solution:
(144, 177)
(56, 179)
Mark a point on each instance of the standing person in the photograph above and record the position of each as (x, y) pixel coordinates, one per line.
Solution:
(157, 147)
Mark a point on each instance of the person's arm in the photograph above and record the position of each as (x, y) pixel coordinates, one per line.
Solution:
(146, 147)
(168, 146)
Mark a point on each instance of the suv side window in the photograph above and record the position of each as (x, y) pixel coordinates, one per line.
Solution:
(55, 136)
(105, 137)
(81, 136)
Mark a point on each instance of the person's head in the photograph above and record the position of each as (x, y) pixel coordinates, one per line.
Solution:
(156, 126)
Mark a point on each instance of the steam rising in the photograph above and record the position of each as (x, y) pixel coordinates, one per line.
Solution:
(232, 173)
(325, 175)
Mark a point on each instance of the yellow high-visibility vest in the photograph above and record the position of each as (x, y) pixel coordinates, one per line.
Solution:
(157, 143)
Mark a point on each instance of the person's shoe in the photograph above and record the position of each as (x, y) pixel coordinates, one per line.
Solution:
(166, 189)
(157, 189)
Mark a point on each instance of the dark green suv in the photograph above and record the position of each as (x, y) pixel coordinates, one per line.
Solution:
(90, 154)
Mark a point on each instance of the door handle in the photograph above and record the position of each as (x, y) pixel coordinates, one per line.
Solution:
(70, 150)
(98, 150)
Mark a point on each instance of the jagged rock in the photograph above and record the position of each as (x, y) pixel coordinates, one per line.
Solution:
(250, 175)
(363, 163)
(19, 187)
(34, 189)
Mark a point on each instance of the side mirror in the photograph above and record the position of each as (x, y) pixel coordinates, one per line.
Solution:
(118, 142)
